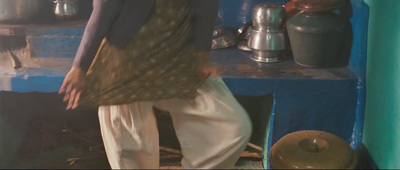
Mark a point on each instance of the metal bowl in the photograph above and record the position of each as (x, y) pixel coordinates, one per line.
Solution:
(224, 40)
(269, 16)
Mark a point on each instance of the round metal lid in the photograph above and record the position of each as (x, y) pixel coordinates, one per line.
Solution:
(310, 149)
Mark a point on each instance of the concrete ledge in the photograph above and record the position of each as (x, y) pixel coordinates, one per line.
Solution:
(58, 40)
(61, 47)
(54, 42)
(36, 74)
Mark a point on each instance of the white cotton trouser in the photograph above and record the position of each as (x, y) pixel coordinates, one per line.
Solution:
(213, 130)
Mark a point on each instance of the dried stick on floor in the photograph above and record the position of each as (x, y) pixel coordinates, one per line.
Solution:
(170, 150)
(170, 167)
(247, 154)
(99, 147)
(96, 145)
(254, 146)
(163, 157)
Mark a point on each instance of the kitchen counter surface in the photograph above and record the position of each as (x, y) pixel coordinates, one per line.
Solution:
(7, 29)
(237, 63)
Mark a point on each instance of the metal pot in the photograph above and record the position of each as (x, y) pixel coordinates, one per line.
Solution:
(267, 46)
(243, 37)
(18, 10)
(319, 5)
(316, 38)
(66, 9)
(263, 40)
(269, 15)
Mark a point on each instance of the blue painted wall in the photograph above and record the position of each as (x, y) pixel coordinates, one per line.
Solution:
(357, 63)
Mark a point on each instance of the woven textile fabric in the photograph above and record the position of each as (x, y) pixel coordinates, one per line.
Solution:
(159, 62)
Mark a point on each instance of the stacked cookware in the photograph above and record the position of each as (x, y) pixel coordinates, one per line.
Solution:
(268, 39)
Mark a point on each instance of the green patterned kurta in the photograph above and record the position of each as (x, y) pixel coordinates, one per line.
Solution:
(159, 62)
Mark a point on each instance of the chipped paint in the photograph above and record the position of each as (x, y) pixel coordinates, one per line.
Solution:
(5, 84)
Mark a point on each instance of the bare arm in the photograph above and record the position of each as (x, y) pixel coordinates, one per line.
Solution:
(98, 26)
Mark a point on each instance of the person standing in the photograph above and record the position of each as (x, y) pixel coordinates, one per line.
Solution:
(140, 54)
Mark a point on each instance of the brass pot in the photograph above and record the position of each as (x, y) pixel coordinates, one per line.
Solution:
(312, 149)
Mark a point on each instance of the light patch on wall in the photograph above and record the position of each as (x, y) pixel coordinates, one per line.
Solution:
(5, 83)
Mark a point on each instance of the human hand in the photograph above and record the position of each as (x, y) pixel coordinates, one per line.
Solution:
(72, 87)
(204, 68)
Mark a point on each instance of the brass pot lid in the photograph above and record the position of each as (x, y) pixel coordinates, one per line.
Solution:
(311, 149)
(318, 5)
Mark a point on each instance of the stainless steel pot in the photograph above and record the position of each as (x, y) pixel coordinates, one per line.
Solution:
(66, 9)
(18, 10)
(269, 15)
(263, 40)
(243, 37)
(267, 46)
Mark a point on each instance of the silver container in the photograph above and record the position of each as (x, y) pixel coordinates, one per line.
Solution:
(267, 46)
(263, 40)
(66, 9)
(243, 37)
(223, 40)
(18, 10)
(269, 16)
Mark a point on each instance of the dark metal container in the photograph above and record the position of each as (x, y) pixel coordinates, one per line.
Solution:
(318, 5)
(316, 38)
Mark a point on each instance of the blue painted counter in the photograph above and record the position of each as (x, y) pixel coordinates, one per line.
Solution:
(305, 98)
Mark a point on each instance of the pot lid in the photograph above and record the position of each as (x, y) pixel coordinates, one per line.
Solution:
(311, 22)
(318, 5)
(310, 149)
